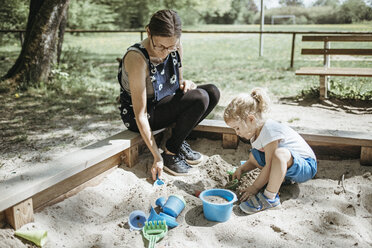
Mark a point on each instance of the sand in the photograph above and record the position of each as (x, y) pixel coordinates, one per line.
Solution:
(318, 213)
(323, 212)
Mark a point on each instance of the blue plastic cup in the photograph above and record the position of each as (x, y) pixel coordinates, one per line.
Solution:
(137, 220)
(174, 205)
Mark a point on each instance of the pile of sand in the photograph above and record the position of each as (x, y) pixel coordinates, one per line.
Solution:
(323, 212)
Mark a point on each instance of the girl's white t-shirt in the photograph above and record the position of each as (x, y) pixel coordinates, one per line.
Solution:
(288, 138)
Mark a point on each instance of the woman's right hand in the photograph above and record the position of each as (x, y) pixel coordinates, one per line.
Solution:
(157, 168)
(238, 173)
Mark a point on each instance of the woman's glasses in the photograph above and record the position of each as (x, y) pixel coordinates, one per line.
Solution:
(162, 48)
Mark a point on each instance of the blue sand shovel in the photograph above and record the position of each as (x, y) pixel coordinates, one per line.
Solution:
(158, 182)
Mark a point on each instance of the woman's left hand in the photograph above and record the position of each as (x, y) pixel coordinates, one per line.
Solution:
(187, 85)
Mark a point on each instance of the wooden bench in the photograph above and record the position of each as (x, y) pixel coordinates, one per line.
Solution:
(70, 174)
(327, 144)
(65, 176)
(326, 51)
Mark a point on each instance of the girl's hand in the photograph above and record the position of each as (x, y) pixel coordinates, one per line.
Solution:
(187, 85)
(237, 174)
(157, 169)
(248, 192)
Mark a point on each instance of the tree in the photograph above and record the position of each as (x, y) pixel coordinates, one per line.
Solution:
(291, 2)
(332, 3)
(354, 11)
(40, 45)
(13, 15)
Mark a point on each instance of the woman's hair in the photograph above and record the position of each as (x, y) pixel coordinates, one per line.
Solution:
(165, 23)
(256, 104)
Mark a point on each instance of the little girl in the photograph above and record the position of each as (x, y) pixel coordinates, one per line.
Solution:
(279, 151)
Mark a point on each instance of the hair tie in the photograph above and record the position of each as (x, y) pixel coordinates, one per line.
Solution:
(254, 96)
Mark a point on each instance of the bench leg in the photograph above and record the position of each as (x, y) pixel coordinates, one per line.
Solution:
(323, 87)
(131, 156)
(20, 214)
(229, 141)
(366, 156)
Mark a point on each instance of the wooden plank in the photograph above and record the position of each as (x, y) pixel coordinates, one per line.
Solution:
(323, 87)
(335, 71)
(230, 141)
(15, 190)
(214, 126)
(343, 38)
(366, 156)
(20, 214)
(130, 156)
(62, 187)
(355, 52)
(324, 150)
(90, 183)
(314, 135)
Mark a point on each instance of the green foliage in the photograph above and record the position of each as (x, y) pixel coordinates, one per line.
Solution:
(352, 91)
(291, 2)
(13, 15)
(87, 14)
(354, 11)
(332, 3)
(325, 12)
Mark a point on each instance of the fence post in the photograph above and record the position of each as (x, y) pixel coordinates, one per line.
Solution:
(21, 37)
(262, 28)
(293, 48)
(141, 35)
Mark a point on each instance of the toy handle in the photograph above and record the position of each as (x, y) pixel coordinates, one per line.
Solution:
(152, 242)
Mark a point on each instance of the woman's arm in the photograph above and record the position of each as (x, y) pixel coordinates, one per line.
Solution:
(185, 85)
(136, 67)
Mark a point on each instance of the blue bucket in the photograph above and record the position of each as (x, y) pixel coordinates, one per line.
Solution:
(219, 212)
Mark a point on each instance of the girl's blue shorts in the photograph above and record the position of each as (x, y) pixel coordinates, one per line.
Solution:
(302, 169)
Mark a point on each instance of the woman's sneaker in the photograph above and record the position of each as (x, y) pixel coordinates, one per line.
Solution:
(191, 157)
(175, 165)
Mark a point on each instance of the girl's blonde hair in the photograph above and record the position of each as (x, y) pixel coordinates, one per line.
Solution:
(256, 103)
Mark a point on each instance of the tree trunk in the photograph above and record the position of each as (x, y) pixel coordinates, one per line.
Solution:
(40, 44)
(61, 33)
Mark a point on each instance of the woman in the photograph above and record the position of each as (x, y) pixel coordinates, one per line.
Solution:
(155, 95)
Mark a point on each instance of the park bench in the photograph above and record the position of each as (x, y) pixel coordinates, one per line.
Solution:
(326, 71)
(66, 176)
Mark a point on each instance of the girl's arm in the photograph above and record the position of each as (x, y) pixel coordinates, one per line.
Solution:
(263, 178)
(137, 71)
(264, 175)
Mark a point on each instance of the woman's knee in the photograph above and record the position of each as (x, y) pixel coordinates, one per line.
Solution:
(201, 98)
(213, 92)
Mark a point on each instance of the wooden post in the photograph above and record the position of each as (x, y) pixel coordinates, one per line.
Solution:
(293, 48)
(20, 214)
(131, 155)
(262, 27)
(141, 35)
(366, 156)
(21, 38)
(229, 141)
(327, 60)
(323, 86)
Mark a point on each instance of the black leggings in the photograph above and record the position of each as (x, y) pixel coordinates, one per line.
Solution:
(186, 111)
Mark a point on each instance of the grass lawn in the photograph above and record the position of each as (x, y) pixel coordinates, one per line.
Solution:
(84, 86)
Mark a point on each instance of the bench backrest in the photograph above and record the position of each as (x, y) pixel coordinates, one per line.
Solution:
(326, 51)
